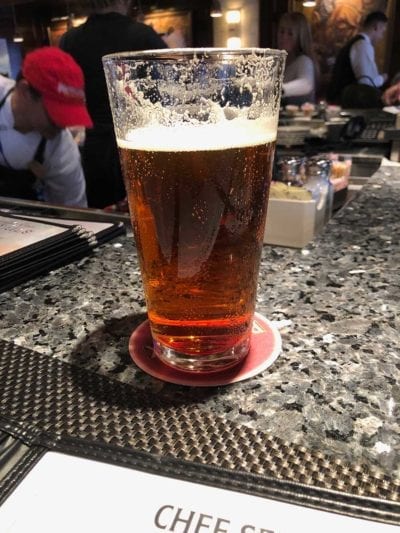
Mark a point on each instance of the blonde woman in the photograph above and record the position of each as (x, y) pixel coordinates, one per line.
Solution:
(294, 36)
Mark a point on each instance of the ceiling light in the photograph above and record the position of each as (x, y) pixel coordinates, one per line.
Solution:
(216, 10)
(232, 16)
(18, 38)
(309, 4)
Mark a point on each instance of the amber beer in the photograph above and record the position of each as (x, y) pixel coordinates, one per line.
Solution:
(198, 202)
(196, 130)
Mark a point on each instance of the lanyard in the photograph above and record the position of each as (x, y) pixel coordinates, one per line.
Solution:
(4, 155)
(1, 145)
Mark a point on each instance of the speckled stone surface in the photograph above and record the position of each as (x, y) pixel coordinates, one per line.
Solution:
(336, 385)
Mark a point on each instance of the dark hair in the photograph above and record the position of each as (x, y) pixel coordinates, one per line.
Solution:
(374, 17)
(34, 92)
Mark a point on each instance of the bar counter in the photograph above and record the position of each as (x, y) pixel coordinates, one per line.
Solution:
(335, 388)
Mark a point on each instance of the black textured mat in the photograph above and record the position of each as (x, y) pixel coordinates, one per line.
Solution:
(50, 404)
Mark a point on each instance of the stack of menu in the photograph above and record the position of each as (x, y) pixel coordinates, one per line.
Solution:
(31, 245)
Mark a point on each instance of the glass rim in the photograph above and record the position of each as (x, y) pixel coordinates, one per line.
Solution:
(189, 53)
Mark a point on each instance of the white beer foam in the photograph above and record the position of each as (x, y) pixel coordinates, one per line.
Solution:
(184, 138)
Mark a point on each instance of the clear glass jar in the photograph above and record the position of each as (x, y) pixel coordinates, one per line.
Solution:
(290, 170)
(317, 181)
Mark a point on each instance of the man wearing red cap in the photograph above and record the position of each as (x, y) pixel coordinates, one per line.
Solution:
(38, 157)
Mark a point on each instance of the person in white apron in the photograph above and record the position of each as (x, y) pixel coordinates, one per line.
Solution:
(38, 156)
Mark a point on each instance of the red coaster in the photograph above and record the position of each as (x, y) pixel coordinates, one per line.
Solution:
(265, 347)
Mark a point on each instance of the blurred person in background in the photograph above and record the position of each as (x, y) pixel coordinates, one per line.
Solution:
(299, 82)
(39, 160)
(355, 62)
(107, 30)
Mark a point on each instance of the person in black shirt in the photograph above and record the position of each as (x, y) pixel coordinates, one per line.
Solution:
(355, 64)
(107, 30)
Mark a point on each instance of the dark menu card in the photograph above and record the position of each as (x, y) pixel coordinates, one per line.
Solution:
(30, 245)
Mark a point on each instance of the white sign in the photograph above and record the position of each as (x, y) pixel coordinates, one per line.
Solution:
(64, 494)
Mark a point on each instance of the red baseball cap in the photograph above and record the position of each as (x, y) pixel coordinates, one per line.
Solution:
(59, 80)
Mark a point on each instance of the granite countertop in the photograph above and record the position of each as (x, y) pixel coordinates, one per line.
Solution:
(336, 385)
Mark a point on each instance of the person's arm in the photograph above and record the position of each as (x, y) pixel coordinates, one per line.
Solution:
(64, 181)
(301, 77)
(362, 57)
(392, 94)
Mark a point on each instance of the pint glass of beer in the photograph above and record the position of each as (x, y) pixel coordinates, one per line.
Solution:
(196, 131)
